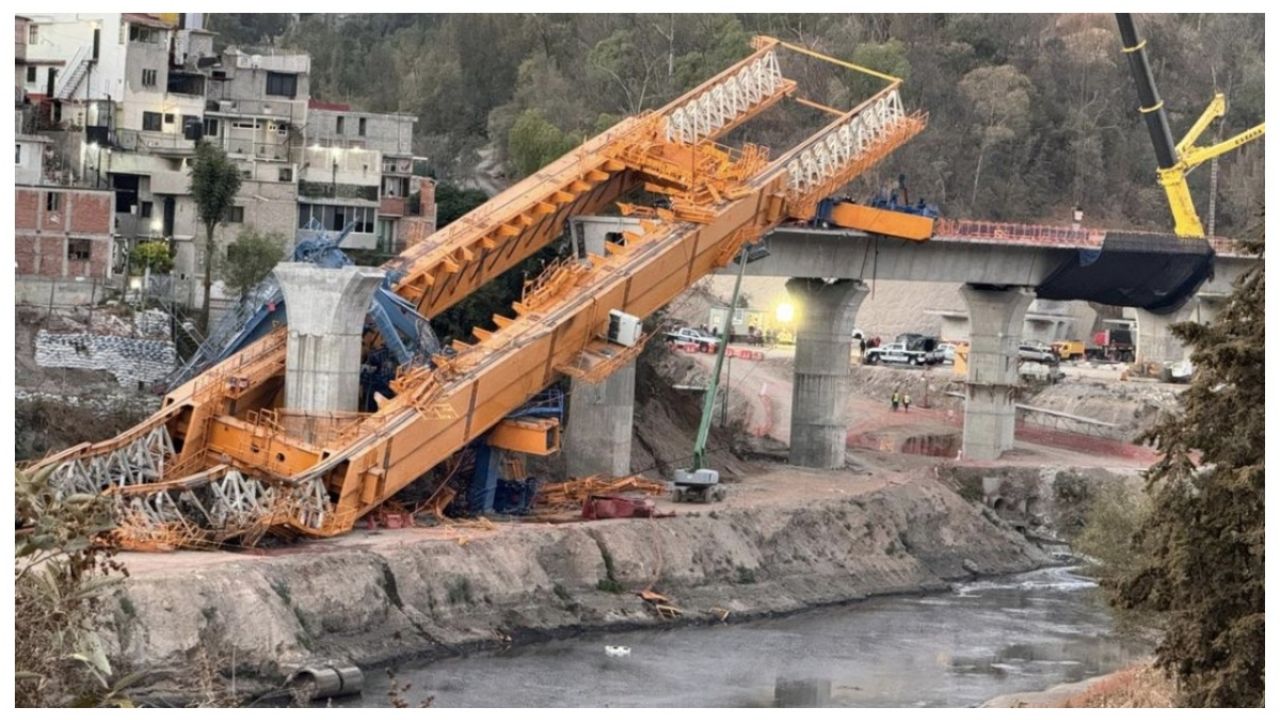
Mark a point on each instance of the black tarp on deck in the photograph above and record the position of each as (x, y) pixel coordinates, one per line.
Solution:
(1153, 272)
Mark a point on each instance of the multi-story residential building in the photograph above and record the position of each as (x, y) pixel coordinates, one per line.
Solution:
(120, 101)
(145, 89)
(406, 199)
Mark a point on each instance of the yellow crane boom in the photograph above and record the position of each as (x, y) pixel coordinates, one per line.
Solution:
(1175, 162)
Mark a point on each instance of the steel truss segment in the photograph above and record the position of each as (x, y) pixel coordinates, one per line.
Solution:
(725, 102)
(138, 462)
(835, 149)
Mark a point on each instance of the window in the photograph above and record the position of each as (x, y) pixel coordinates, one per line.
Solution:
(31, 73)
(53, 201)
(151, 121)
(340, 119)
(144, 209)
(168, 118)
(235, 214)
(211, 126)
(282, 84)
(286, 174)
(78, 249)
(33, 35)
(17, 160)
(362, 122)
(149, 78)
(246, 173)
(139, 33)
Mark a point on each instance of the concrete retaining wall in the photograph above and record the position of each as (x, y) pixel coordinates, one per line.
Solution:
(371, 601)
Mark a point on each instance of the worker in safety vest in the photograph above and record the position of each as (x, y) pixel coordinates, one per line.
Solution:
(906, 402)
(895, 400)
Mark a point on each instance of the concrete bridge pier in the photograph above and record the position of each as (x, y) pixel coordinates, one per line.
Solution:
(326, 309)
(1156, 342)
(820, 391)
(995, 322)
(597, 438)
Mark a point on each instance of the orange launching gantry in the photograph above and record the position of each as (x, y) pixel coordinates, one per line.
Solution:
(219, 462)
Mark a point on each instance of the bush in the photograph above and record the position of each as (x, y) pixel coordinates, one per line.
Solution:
(1114, 515)
(62, 577)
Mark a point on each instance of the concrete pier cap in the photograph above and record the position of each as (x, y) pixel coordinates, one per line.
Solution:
(820, 390)
(326, 308)
(995, 322)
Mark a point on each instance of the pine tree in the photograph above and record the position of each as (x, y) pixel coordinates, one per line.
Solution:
(1204, 541)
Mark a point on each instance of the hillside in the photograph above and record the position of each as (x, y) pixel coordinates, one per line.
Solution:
(1029, 114)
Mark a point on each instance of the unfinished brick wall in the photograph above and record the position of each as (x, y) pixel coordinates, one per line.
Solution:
(53, 243)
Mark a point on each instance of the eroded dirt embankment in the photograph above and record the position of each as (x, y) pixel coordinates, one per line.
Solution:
(370, 600)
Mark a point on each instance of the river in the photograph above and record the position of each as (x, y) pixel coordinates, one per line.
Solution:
(982, 639)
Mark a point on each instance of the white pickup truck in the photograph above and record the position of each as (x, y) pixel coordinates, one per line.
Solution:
(896, 353)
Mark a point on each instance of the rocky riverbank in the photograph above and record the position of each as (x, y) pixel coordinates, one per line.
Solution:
(429, 592)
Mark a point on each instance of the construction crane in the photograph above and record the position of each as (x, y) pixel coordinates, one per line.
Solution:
(223, 459)
(700, 483)
(1175, 162)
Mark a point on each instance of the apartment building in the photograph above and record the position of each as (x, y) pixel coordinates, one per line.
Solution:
(134, 95)
(406, 197)
(117, 102)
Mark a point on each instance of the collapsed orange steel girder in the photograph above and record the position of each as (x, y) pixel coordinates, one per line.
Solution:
(245, 472)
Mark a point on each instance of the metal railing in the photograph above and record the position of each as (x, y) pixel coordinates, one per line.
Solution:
(1018, 233)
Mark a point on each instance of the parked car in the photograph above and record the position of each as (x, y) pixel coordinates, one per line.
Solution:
(896, 353)
(948, 352)
(1035, 351)
(703, 341)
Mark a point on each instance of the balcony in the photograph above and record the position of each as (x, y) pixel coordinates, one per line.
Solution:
(160, 143)
(322, 190)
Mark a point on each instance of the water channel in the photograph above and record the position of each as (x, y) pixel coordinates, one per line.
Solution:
(960, 648)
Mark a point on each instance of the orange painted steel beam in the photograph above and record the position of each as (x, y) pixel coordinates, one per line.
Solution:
(729, 198)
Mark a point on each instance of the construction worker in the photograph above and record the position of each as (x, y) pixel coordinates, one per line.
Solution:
(906, 402)
(895, 400)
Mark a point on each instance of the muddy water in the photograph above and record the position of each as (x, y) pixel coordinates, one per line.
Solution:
(1021, 633)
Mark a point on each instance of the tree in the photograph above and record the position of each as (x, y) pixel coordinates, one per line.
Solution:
(1204, 541)
(215, 180)
(153, 254)
(1001, 101)
(250, 259)
(533, 143)
(452, 202)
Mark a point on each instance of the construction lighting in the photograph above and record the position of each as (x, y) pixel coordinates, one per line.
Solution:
(785, 313)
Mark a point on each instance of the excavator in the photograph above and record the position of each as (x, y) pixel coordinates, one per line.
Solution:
(224, 461)
(1175, 162)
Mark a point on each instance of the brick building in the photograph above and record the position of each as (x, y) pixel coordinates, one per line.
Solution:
(62, 233)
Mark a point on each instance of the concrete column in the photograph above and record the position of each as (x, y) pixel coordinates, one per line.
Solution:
(820, 389)
(1155, 342)
(326, 310)
(995, 331)
(597, 439)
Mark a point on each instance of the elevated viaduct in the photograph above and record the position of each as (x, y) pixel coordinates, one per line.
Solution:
(1001, 268)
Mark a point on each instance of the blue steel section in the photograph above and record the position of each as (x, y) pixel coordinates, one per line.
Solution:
(548, 403)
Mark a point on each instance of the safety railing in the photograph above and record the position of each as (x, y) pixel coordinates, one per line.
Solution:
(1018, 233)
